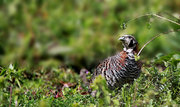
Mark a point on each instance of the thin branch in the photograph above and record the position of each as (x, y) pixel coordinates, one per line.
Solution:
(161, 17)
(134, 97)
(10, 100)
(139, 17)
(158, 16)
(155, 38)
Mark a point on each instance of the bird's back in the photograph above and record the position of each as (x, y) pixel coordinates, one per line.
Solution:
(118, 70)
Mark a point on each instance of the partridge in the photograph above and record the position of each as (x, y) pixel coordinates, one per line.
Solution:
(121, 68)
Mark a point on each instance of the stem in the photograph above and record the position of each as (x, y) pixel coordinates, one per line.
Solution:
(155, 38)
(10, 99)
(166, 19)
(134, 97)
(158, 16)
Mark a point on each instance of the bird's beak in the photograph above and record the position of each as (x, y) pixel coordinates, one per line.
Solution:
(121, 38)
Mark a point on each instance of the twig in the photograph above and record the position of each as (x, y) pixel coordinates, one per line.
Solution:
(10, 100)
(134, 98)
(156, 15)
(166, 19)
(155, 38)
(139, 17)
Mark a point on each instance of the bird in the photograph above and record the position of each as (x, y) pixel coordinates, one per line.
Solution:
(121, 68)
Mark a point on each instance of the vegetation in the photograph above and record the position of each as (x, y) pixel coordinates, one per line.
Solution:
(45, 43)
(156, 86)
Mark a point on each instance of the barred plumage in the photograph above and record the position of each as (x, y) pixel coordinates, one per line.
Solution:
(122, 67)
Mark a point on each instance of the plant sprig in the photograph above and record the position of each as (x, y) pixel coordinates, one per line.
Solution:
(156, 15)
(155, 38)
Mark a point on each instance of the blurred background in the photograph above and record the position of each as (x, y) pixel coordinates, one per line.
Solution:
(80, 33)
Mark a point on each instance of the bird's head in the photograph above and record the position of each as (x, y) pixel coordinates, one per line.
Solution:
(129, 43)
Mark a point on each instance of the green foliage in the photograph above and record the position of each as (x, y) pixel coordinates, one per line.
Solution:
(100, 88)
(157, 86)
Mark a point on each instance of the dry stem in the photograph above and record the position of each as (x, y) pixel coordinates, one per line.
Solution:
(158, 16)
(155, 38)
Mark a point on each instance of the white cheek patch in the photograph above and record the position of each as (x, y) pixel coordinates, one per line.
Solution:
(129, 50)
(124, 49)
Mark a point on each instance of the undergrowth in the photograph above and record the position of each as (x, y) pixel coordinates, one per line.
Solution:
(158, 85)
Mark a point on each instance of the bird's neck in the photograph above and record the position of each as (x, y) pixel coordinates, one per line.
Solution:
(130, 52)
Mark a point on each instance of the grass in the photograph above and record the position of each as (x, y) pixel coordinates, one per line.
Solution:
(158, 85)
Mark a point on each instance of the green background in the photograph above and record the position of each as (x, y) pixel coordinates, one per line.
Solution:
(80, 33)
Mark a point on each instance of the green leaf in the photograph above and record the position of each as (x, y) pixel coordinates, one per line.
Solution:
(18, 83)
(3, 71)
(176, 56)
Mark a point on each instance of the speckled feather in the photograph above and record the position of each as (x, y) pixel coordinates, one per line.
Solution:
(118, 70)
